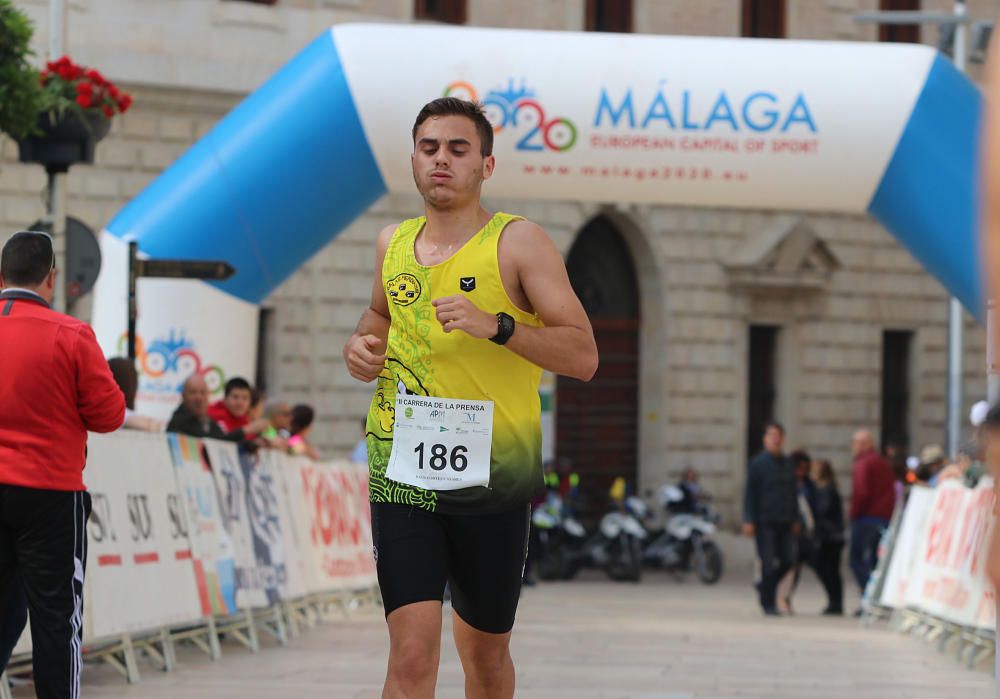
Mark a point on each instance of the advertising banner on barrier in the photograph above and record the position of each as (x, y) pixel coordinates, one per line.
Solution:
(292, 519)
(211, 547)
(175, 536)
(342, 555)
(248, 506)
(949, 569)
(139, 561)
(353, 481)
(904, 550)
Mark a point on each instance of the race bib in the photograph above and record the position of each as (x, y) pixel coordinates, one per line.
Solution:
(441, 443)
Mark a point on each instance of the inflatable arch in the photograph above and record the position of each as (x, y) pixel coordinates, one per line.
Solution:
(889, 130)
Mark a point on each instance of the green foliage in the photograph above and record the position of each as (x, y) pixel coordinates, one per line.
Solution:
(20, 92)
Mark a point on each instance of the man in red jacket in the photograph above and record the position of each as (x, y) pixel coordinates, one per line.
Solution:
(55, 385)
(873, 498)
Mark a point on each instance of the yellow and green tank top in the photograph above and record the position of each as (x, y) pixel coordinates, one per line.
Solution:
(422, 359)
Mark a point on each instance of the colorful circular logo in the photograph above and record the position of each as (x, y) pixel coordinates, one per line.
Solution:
(516, 108)
(403, 289)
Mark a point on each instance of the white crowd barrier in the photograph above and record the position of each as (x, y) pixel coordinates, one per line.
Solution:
(184, 532)
(935, 571)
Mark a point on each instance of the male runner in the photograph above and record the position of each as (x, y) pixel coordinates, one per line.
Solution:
(467, 309)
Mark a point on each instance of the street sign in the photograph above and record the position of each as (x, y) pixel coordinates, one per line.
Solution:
(185, 269)
(215, 270)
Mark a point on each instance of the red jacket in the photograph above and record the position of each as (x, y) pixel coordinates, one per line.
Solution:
(227, 421)
(874, 490)
(55, 385)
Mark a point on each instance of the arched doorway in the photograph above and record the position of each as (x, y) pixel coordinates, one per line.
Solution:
(597, 422)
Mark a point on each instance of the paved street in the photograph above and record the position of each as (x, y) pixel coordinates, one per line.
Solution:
(591, 639)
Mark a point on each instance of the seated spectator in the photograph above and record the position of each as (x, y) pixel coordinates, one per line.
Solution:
(301, 424)
(127, 378)
(232, 412)
(191, 417)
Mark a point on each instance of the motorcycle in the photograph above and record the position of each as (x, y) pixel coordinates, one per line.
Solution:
(560, 538)
(565, 547)
(685, 542)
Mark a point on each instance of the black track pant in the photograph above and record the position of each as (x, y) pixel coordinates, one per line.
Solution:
(43, 540)
(776, 550)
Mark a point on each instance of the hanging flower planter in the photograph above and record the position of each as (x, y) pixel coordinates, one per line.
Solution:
(82, 104)
(64, 140)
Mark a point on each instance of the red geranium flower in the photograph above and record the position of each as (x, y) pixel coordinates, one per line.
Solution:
(84, 101)
(84, 88)
(108, 111)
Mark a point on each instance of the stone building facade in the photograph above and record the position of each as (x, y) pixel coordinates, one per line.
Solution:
(814, 295)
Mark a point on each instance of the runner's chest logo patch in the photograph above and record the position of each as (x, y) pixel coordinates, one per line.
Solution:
(403, 289)
(467, 284)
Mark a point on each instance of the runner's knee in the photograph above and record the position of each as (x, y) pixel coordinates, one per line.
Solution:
(489, 668)
(413, 660)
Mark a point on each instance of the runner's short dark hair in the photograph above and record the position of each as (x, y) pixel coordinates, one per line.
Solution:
(452, 106)
(27, 258)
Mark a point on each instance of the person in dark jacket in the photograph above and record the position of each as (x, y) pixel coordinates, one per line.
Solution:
(191, 417)
(829, 518)
(805, 542)
(694, 496)
(771, 513)
(873, 498)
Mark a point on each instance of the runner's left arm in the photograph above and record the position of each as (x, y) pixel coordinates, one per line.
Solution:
(565, 345)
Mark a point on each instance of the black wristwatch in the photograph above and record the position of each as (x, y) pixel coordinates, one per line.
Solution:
(505, 328)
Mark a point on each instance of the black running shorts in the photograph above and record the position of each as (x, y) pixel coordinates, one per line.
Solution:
(480, 556)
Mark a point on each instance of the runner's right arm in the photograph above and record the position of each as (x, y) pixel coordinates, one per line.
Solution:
(364, 352)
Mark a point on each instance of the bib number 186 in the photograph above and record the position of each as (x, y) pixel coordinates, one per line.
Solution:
(440, 458)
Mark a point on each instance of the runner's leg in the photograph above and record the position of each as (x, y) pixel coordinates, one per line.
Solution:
(489, 669)
(414, 651)
(411, 553)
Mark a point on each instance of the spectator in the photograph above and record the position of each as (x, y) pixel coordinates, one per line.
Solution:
(191, 417)
(975, 449)
(232, 412)
(55, 387)
(256, 404)
(279, 418)
(301, 425)
(873, 498)
(692, 492)
(990, 435)
(895, 454)
(360, 453)
(829, 517)
(770, 513)
(127, 378)
(805, 546)
(932, 460)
